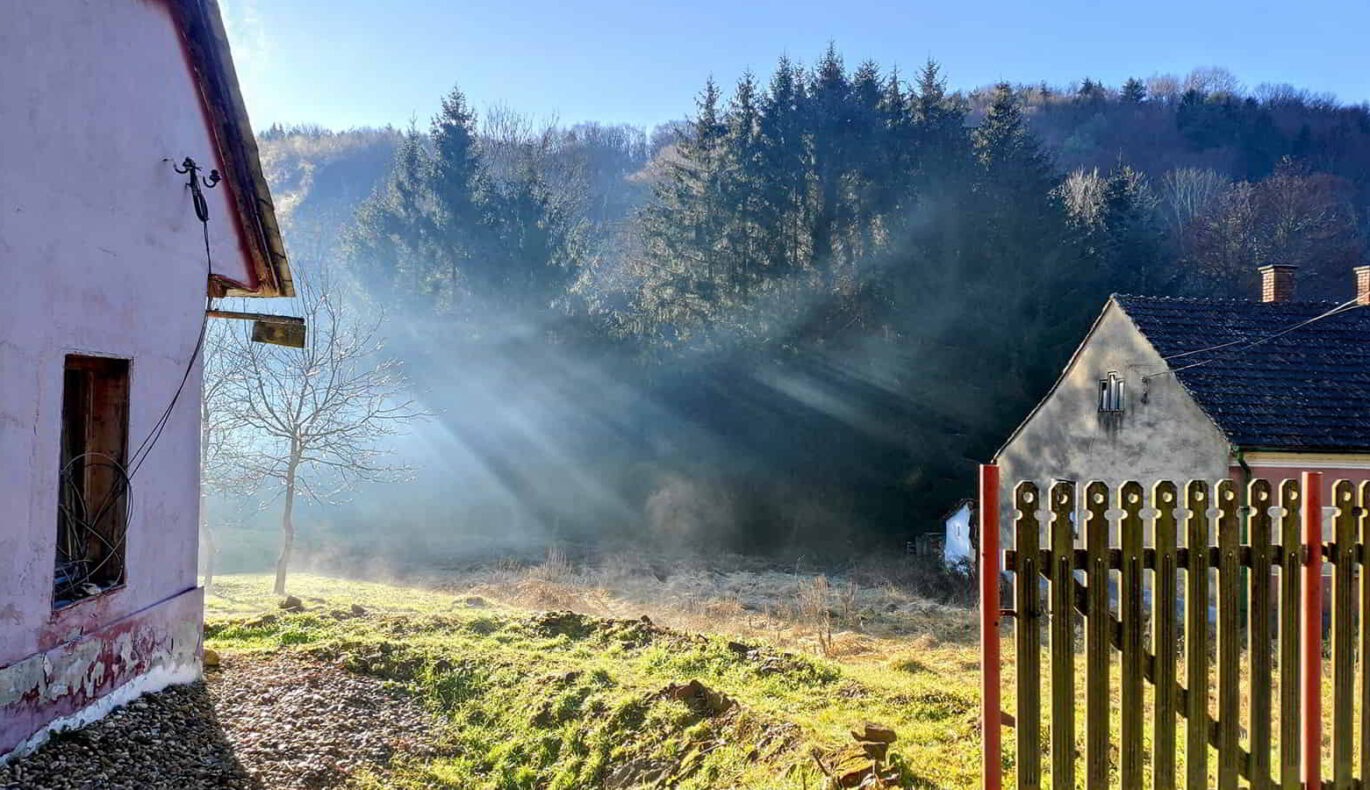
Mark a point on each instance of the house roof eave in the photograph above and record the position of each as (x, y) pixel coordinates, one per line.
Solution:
(211, 62)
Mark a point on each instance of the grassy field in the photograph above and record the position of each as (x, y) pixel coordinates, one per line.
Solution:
(538, 700)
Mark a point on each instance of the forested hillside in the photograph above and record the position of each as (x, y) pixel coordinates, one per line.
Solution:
(805, 313)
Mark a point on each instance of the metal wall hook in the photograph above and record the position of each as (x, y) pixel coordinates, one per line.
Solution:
(190, 167)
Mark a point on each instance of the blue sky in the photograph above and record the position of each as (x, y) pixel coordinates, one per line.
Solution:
(345, 63)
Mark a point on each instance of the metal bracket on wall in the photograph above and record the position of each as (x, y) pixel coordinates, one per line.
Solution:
(189, 166)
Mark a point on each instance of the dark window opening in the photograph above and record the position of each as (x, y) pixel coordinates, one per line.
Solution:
(92, 506)
(1111, 393)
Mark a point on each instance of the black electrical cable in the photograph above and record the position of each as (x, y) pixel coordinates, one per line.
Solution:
(150, 441)
(1246, 343)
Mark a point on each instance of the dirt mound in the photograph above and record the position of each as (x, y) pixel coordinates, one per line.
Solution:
(698, 697)
(581, 626)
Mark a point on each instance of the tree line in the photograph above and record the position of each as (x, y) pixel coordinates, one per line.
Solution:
(835, 289)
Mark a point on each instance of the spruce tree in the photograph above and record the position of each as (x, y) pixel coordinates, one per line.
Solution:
(743, 188)
(1133, 259)
(390, 244)
(682, 227)
(786, 171)
(830, 125)
(1024, 281)
(1090, 91)
(1134, 91)
(460, 198)
(943, 142)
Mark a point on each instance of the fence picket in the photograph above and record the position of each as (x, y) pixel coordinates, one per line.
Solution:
(1164, 636)
(1196, 637)
(1344, 535)
(1290, 563)
(1028, 634)
(1229, 647)
(1258, 631)
(1062, 636)
(1082, 582)
(1130, 607)
(1363, 540)
(1098, 644)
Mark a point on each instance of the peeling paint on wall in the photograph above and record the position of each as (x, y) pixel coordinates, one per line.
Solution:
(77, 682)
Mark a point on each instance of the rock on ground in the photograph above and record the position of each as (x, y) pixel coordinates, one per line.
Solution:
(259, 722)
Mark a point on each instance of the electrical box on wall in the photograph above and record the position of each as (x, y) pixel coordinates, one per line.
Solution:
(279, 330)
(278, 333)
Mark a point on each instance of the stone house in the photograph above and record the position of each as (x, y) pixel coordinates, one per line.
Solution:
(107, 269)
(1203, 389)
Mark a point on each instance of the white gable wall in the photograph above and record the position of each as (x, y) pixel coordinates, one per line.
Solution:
(1160, 435)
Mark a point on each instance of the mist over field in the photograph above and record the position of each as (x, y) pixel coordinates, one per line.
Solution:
(790, 323)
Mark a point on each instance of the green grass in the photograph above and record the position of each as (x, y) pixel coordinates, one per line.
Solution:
(537, 702)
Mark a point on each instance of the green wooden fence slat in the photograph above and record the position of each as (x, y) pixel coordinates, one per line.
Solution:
(1363, 540)
(1343, 638)
(1260, 528)
(1229, 635)
(1196, 637)
(1062, 636)
(1028, 639)
(1098, 638)
(1130, 606)
(1273, 547)
(1291, 542)
(1164, 636)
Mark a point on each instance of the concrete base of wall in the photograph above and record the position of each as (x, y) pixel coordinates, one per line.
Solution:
(82, 680)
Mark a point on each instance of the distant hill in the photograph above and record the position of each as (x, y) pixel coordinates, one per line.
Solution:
(318, 177)
(1203, 121)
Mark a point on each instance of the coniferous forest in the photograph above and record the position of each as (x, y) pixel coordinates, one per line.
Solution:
(803, 315)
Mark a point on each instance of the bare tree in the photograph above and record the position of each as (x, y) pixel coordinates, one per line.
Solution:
(225, 470)
(1213, 80)
(1083, 194)
(1164, 87)
(1187, 193)
(1293, 216)
(319, 415)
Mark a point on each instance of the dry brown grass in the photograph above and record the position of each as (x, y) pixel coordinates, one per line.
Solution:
(815, 607)
(868, 613)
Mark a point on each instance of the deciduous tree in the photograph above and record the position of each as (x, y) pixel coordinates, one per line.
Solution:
(313, 420)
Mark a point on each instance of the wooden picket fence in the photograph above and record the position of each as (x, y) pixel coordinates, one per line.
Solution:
(1271, 575)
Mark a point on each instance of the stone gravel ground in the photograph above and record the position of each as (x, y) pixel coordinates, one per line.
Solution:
(256, 722)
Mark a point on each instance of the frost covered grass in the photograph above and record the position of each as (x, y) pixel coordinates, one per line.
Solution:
(531, 699)
(870, 609)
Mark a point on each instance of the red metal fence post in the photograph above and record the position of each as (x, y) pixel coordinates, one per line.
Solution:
(1312, 630)
(991, 714)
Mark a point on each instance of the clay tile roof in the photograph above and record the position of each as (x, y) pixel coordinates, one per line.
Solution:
(1308, 389)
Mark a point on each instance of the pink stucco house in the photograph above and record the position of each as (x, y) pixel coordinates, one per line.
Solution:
(105, 275)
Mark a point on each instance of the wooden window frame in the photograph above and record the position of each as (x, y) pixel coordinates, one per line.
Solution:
(92, 509)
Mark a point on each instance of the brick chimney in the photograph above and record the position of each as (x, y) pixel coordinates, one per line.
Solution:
(1277, 282)
(1362, 284)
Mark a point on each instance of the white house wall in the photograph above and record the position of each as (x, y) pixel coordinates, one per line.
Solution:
(1161, 433)
(100, 254)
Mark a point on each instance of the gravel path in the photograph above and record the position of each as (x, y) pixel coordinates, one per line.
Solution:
(258, 722)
